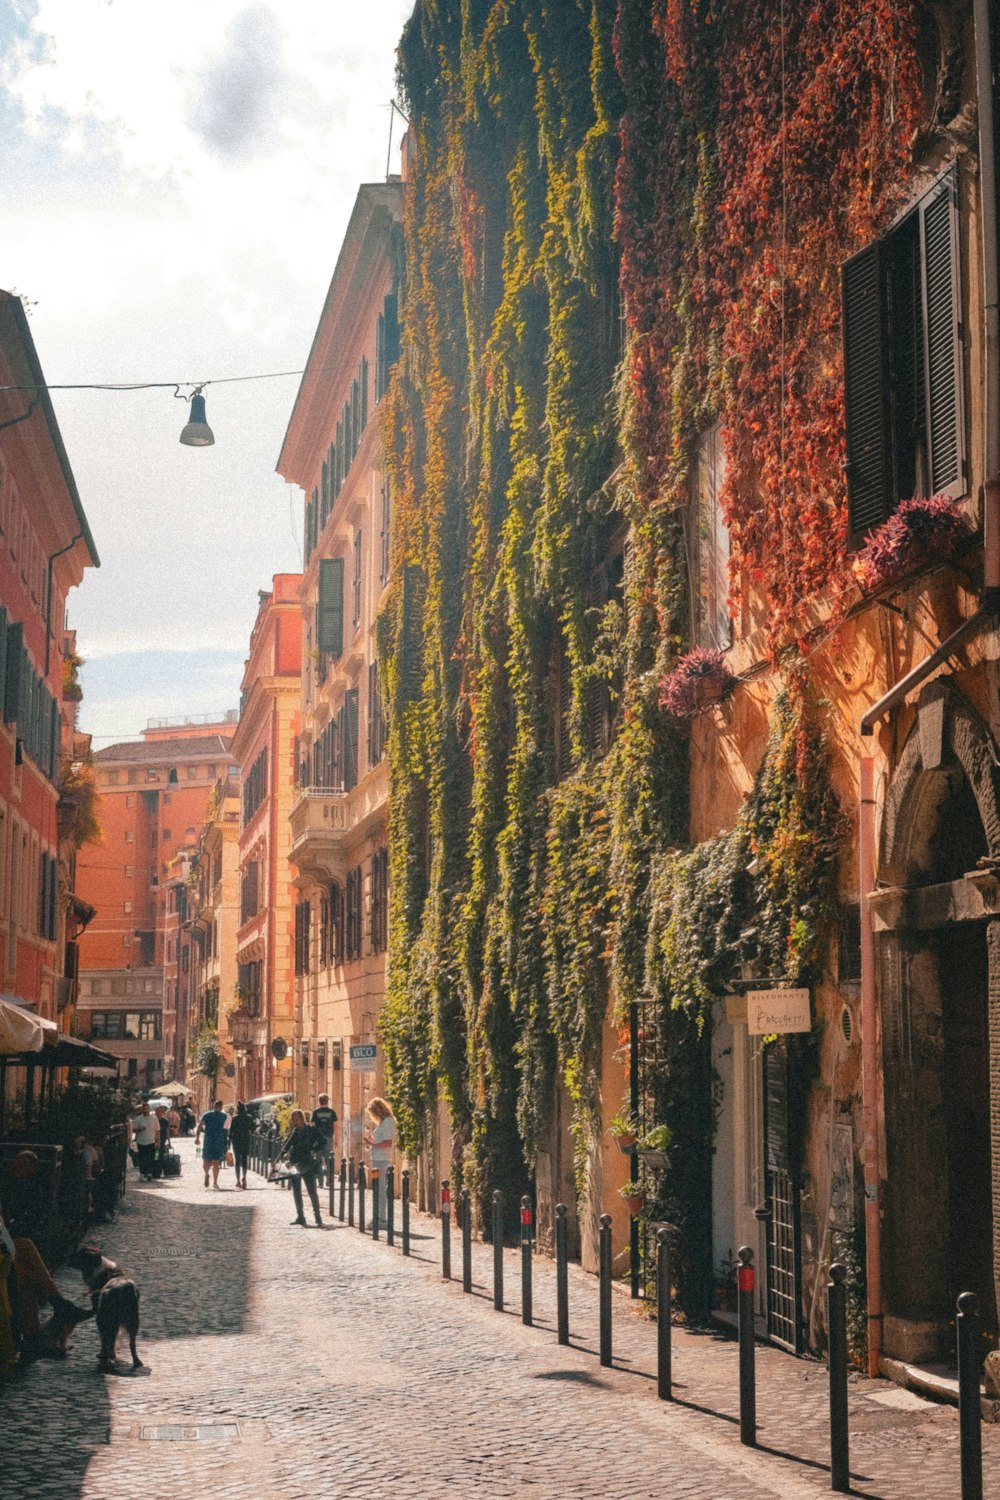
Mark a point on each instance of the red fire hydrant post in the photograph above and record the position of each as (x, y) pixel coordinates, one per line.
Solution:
(745, 1281)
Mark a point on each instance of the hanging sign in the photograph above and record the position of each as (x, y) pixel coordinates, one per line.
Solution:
(363, 1056)
(770, 1011)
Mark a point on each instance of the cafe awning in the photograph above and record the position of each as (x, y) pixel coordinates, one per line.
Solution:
(21, 1031)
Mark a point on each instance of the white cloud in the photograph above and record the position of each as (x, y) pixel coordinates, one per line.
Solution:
(176, 184)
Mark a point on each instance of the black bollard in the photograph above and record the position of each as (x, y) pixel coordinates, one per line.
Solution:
(351, 1179)
(836, 1304)
(498, 1249)
(445, 1231)
(390, 1204)
(406, 1211)
(664, 1353)
(526, 1310)
(362, 1182)
(970, 1434)
(375, 1181)
(604, 1292)
(562, 1276)
(748, 1379)
(466, 1210)
(343, 1186)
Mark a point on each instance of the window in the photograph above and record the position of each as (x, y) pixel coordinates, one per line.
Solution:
(250, 891)
(152, 775)
(128, 872)
(354, 911)
(349, 746)
(255, 786)
(376, 717)
(380, 901)
(330, 606)
(166, 835)
(708, 545)
(903, 362)
(337, 910)
(303, 919)
(356, 620)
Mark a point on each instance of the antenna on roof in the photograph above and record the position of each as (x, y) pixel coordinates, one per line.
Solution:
(394, 110)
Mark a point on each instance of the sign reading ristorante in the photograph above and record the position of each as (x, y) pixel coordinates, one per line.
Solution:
(770, 1011)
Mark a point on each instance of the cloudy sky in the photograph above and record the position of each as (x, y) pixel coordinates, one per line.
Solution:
(176, 180)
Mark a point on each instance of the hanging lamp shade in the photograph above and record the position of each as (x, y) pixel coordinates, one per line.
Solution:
(197, 433)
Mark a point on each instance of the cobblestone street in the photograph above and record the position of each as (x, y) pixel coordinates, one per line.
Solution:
(296, 1363)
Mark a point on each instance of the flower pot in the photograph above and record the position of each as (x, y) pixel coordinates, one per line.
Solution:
(657, 1159)
(626, 1143)
(634, 1203)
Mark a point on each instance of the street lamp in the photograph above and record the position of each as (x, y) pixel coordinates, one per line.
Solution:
(197, 433)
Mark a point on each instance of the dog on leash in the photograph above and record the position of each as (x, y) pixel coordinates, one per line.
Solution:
(116, 1303)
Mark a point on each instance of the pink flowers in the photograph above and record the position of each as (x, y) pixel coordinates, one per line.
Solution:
(699, 678)
(917, 532)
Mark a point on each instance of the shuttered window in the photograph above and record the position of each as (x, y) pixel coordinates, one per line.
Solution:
(903, 362)
(330, 606)
(349, 753)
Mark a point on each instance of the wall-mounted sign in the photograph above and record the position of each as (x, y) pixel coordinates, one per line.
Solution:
(771, 1011)
(363, 1056)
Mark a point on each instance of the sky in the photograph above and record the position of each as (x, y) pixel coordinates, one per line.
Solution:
(175, 183)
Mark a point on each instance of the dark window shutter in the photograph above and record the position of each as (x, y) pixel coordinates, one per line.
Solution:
(391, 333)
(942, 339)
(778, 1142)
(363, 380)
(868, 497)
(330, 606)
(53, 896)
(12, 675)
(380, 380)
(350, 739)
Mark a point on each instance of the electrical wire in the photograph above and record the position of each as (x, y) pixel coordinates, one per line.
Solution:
(153, 385)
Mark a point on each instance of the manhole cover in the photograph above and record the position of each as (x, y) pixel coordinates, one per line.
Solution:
(176, 1432)
(173, 1252)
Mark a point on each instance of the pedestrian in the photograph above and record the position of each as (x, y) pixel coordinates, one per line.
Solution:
(301, 1149)
(239, 1143)
(146, 1137)
(325, 1120)
(174, 1119)
(163, 1144)
(380, 1138)
(213, 1153)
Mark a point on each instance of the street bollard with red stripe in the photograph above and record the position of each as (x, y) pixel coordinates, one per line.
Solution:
(745, 1282)
(445, 1230)
(526, 1311)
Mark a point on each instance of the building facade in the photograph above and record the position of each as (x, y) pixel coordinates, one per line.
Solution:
(338, 820)
(261, 999)
(153, 794)
(45, 546)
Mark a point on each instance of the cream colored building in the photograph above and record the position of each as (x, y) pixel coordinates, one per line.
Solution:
(339, 818)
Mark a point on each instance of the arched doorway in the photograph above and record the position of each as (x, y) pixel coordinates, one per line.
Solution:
(938, 919)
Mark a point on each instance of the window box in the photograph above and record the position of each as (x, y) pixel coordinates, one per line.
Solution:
(699, 679)
(919, 532)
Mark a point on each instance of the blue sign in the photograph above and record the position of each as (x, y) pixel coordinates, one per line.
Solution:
(364, 1054)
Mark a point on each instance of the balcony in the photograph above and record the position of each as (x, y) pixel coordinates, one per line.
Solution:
(320, 828)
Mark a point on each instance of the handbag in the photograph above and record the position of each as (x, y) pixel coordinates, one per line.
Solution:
(229, 1158)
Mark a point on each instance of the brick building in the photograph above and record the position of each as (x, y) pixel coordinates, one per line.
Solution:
(154, 793)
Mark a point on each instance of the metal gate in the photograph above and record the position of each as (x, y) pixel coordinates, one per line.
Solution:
(784, 1260)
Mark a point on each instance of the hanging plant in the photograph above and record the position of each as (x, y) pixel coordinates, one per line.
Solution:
(918, 532)
(701, 677)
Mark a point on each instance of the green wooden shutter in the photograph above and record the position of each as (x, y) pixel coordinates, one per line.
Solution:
(868, 491)
(330, 606)
(943, 339)
(12, 674)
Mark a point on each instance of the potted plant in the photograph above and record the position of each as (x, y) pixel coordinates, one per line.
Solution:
(699, 678)
(918, 532)
(625, 1129)
(652, 1148)
(634, 1198)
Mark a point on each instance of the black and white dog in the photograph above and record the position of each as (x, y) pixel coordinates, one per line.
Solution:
(116, 1302)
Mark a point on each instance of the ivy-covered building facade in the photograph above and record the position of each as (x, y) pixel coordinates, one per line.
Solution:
(689, 642)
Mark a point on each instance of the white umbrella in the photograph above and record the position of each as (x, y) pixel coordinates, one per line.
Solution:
(172, 1090)
(21, 1030)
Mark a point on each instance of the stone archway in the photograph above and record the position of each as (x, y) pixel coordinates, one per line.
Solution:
(937, 916)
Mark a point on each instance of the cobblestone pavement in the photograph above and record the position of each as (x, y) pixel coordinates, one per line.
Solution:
(298, 1363)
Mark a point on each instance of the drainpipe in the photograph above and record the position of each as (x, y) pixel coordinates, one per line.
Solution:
(871, 1156)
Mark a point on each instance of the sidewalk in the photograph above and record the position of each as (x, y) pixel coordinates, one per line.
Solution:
(298, 1363)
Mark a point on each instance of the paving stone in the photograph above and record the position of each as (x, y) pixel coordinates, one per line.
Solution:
(296, 1364)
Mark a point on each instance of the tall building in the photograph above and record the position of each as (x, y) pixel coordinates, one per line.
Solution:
(265, 745)
(207, 945)
(45, 546)
(339, 825)
(154, 793)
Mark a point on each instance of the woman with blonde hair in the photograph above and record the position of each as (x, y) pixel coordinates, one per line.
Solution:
(380, 1138)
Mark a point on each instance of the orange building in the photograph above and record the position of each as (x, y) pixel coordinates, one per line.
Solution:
(45, 545)
(340, 815)
(153, 798)
(265, 746)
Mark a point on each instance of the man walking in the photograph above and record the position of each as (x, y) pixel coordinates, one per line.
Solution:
(302, 1147)
(213, 1125)
(146, 1138)
(325, 1120)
